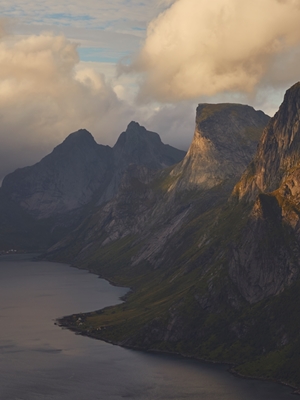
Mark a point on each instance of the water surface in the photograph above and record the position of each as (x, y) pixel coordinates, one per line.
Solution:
(41, 361)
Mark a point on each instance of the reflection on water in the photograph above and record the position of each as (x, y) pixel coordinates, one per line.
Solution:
(41, 361)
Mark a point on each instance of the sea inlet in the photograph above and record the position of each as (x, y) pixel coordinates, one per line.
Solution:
(41, 361)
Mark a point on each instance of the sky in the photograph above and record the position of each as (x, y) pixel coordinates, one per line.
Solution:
(98, 65)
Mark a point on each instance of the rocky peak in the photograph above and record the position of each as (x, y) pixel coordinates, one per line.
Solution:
(64, 180)
(139, 146)
(80, 137)
(278, 151)
(135, 132)
(224, 143)
(78, 144)
(79, 170)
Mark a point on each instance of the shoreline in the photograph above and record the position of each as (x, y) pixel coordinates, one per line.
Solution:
(64, 324)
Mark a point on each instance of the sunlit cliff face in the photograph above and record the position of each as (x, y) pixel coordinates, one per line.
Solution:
(199, 47)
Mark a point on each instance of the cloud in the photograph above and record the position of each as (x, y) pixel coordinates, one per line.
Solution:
(44, 96)
(175, 123)
(123, 14)
(200, 47)
(47, 93)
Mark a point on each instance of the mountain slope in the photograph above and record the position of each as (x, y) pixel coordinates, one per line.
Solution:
(63, 180)
(140, 147)
(154, 207)
(227, 288)
(79, 171)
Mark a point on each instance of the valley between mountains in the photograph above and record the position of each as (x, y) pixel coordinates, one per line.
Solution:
(208, 240)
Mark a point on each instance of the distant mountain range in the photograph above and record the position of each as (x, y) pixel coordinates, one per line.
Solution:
(79, 170)
(208, 240)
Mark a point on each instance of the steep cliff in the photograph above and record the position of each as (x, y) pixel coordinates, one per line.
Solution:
(265, 258)
(224, 143)
(278, 150)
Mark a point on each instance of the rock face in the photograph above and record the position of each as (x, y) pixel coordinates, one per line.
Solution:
(148, 206)
(213, 278)
(224, 143)
(65, 179)
(266, 257)
(140, 147)
(278, 150)
(79, 170)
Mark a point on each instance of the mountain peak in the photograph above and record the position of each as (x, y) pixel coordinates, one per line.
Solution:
(134, 126)
(80, 136)
(64, 180)
(224, 142)
(136, 137)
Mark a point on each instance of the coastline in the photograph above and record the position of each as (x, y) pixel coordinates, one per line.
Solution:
(66, 323)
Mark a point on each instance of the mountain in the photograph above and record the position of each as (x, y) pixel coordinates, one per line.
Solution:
(79, 171)
(265, 258)
(224, 143)
(148, 209)
(224, 286)
(278, 151)
(40, 204)
(20, 231)
(140, 147)
(63, 180)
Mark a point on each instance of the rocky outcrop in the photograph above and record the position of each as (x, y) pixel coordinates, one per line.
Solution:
(224, 143)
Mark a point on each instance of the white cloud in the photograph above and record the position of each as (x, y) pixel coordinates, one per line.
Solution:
(47, 93)
(44, 96)
(200, 47)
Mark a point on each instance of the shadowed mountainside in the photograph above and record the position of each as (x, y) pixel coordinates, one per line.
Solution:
(225, 285)
(150, 208)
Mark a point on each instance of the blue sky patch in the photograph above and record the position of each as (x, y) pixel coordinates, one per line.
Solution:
(100, 55)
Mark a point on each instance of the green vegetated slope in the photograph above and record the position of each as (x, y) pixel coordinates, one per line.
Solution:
(192, 307)
(225, 286)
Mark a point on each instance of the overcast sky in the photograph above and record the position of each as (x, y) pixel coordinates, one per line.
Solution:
(98, 65)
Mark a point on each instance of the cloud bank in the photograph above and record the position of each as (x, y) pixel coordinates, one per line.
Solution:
(47, 93)
(201, 48)
(44, 96)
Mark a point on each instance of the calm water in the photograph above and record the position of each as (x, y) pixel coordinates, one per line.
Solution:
(41, 361)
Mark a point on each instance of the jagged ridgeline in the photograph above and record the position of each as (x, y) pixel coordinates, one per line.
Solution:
(151, 209)
(52, 197)
(224, 284)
